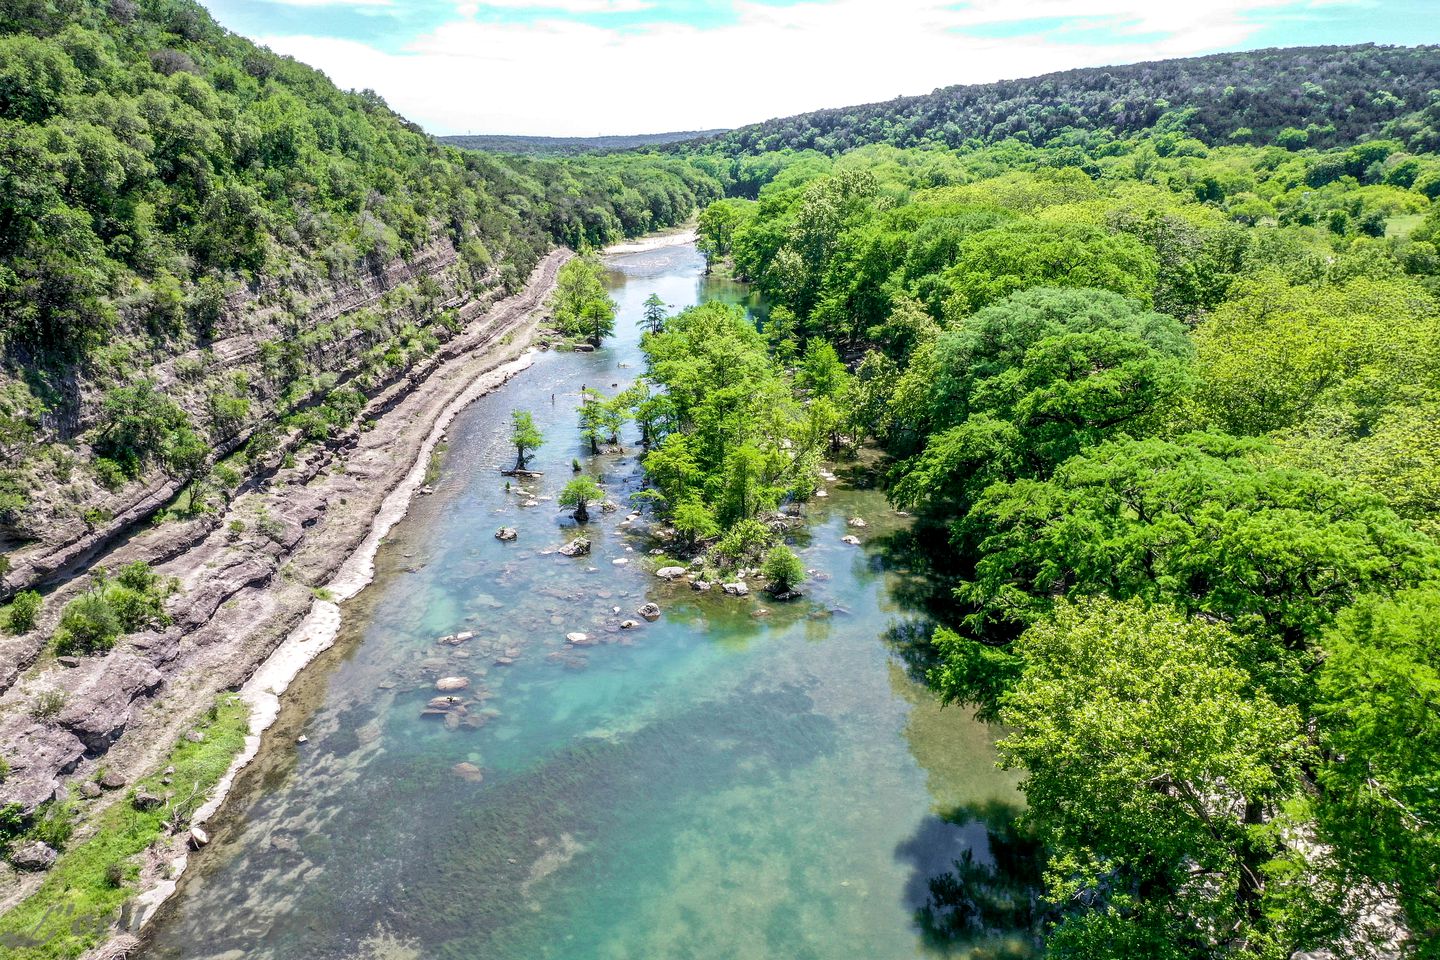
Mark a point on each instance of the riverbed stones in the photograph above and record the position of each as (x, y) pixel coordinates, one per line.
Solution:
(33, 856)
(737, 589)
(629, 624)
(451, 684)
(577, 638)
(857, 522)
(851, 539)
(507, 534)
(670, 573)
(468, 772)
(650, 611)
(700, 585)
(578, 547)
(620, 561)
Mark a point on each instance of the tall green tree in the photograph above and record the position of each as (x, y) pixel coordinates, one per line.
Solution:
(525, 437)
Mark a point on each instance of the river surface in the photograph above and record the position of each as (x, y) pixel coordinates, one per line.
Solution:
(740, 779)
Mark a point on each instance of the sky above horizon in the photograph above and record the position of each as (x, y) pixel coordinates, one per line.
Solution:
(591, 67)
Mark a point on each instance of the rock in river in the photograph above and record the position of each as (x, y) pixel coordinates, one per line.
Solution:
(578, 547)
(854, 541)
(448, 684)
(468, 772)
(650, 611)
(670, 573)
(506, 533)
(737, 589)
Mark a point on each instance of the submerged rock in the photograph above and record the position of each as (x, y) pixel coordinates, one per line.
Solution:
(447, 684)
(468, 772)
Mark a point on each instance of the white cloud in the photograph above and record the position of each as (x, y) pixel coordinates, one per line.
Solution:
(561, 77)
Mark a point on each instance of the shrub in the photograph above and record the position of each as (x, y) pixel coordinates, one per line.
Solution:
(783, 569)
(743, 542)
(47, 705)
(24, 610)
(55, 825)
(88, 624)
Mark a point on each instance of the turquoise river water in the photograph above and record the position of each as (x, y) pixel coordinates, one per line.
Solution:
(740, 779)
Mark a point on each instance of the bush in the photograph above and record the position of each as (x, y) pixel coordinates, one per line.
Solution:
(47, 705)
(783, 569)
(743, 542)
(55, 825)
(24, 610)
(87, 625)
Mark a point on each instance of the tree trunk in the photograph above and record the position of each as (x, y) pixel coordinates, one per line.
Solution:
(582, 512)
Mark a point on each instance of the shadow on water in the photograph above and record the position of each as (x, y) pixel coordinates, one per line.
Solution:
(975, 883)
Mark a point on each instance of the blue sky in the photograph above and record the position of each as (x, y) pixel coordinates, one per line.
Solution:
(585, 67)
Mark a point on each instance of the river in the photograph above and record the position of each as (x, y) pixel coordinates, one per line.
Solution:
(739, 779)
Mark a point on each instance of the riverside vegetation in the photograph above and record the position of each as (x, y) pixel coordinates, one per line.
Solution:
(1154, 355)
(1166, 412)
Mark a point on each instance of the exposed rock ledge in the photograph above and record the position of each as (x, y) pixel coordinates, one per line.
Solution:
(235, 619)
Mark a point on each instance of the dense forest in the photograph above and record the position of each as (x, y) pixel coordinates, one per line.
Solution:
(1295, 97)
(569, 146)
(1166, 414)
(199, 237)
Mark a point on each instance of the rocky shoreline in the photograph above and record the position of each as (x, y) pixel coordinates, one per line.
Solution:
(257, 596)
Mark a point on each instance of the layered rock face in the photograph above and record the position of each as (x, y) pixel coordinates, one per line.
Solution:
(64, 719)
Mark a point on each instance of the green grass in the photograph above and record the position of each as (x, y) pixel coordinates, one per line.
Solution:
(82, 894)
(437, 461)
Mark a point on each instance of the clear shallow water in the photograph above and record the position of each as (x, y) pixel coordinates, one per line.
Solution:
(740, 779)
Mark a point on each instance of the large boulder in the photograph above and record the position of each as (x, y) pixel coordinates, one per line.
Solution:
(737, 589)
(98, 710)
(670, 573)
(650, 611)
(578, 547)
(33, 855)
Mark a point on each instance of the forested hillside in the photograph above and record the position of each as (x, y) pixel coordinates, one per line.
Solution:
(1294, 97)
(1167, 414)
(198, 237)
(567, 146)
